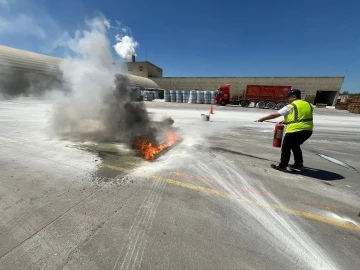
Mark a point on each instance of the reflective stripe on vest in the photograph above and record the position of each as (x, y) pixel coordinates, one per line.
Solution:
(292, 120)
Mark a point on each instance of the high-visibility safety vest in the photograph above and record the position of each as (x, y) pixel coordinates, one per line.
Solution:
(300, 118)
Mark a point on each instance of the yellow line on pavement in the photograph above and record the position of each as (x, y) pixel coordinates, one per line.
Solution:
(333, 222)
(116, 168)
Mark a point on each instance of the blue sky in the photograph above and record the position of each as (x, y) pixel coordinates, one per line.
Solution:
(209, 38)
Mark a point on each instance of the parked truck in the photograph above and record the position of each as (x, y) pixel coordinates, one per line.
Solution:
(262, 96)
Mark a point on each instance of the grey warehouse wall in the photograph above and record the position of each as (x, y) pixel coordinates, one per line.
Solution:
(310, 84)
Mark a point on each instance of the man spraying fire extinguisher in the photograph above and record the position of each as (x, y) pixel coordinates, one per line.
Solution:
(298, 118)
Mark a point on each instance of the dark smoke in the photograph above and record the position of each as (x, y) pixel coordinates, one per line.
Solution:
(101, 108)
(119, 119)
(128, 121)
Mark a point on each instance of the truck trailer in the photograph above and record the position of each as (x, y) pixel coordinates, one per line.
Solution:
(262, 96)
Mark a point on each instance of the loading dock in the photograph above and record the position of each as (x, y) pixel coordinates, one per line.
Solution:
(325, 97)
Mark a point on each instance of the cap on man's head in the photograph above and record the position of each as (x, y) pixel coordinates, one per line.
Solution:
(294, 92)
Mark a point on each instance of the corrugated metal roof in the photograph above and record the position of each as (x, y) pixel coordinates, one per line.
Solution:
(142, 82)
(28, 60)
(33, 62)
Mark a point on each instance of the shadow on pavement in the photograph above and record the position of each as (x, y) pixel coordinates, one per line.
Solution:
(318, 174)
(308, 172)
(220, 149)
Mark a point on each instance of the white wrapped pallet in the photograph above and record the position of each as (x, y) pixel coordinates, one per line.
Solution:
(200, 97)
(156, 94)
(172, 95)
(192, 97)
(166, 95)
(185, 96)
(179, 97)
(207, 97)
(213, 97)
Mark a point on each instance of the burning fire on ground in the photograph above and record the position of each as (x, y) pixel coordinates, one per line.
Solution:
(150, 151)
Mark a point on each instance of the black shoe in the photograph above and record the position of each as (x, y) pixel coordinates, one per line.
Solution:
(277, 167)
(297, 166)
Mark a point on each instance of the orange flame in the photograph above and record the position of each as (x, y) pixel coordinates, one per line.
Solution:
(149, 151)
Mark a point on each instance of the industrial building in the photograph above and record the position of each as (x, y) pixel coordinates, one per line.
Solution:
(21, 70)
(24, 72)
(324, 89)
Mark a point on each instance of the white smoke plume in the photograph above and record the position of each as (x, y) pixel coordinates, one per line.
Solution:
(99, 106)
(125, 47)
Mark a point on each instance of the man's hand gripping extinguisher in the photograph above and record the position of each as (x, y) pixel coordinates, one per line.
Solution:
(278, 135)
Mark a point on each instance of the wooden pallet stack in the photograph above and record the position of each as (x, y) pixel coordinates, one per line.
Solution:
(343, 105)
(320, 105)
(354, 106)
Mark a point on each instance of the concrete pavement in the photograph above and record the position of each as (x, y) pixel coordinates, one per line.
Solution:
(211, 202)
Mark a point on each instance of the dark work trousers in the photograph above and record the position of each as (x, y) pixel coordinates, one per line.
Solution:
(292, 142)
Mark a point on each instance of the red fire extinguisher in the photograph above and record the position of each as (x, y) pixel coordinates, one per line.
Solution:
(278, 135)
